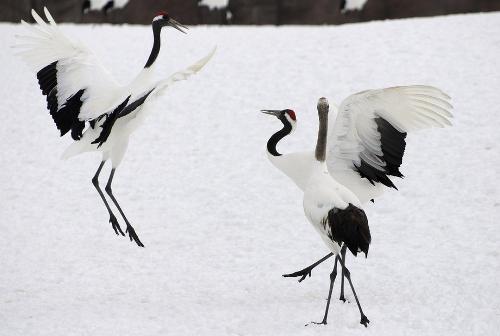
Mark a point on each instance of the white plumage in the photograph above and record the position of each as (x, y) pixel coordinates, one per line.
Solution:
(82, 93)
(333, 210)
(322, 193)
(77, 66)
(353, 134)
(365, 146)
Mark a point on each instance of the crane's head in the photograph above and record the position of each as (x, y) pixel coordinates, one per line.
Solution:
(162, 19)
(323, 105)
(287, 116)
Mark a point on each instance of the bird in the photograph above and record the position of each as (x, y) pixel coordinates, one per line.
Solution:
(85, 101)
(342, 4)
(105, 5)
(366, 143)
(350, 5)
(333, 210)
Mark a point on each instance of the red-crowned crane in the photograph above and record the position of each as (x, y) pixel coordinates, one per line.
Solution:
(81, 93)
(366, 143)
(333, 210)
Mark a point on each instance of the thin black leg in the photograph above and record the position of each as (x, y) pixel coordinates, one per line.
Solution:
(307, 271)
(342, 253)
(112, 218)
(333, 275)
(364, 320)
(131, 232)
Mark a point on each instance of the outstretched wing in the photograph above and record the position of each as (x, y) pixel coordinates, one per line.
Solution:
(183, 74)
(367, 140)
(77, 86)
(130, 109)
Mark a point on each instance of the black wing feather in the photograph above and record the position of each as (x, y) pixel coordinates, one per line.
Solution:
(393, 146)
(64, 115)
(107, 125)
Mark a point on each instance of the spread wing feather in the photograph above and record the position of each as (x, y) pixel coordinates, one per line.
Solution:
(367, 139)
(183, 74)
(67, 68)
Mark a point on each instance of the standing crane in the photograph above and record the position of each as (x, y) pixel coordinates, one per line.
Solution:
(333, 210)
(85, 101)
(366, 143)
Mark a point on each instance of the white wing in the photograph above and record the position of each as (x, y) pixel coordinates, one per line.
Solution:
(183, 74)
(67, 69)
(131, 112)
(366, 142)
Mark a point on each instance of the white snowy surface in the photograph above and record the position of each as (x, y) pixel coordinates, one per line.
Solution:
(220, 224)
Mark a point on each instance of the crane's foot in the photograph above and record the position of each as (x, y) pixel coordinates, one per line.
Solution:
(317, 323)
(115, 225)
(133, 236)
(364, 320)
(302, 274)
(342, 298)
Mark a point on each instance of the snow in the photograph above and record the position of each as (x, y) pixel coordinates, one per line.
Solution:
(220, 224)
(355, 4)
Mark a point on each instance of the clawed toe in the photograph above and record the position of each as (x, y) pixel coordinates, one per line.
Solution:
(115, 225)
(133, 236)
(303, 274)
(316, 323)
(364, 321)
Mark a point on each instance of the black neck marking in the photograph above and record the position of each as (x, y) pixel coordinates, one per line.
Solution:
(276, 137)
(156, 44)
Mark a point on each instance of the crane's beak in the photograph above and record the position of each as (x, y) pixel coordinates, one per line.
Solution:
(171, 22)
(275, 113)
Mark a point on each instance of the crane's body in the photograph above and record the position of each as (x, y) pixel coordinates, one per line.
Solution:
(333, 210)
(87, 102)
(323, 194)
(366, 144)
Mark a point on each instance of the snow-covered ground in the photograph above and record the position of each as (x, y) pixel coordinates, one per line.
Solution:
(220, 224)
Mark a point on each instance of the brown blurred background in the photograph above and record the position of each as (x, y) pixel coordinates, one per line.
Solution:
(274, 12)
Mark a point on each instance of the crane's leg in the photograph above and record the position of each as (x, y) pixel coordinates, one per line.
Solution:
(342, 254)
(333, 275)
(112, 218)
(303, 273)
(131, 232)
(364, 320)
